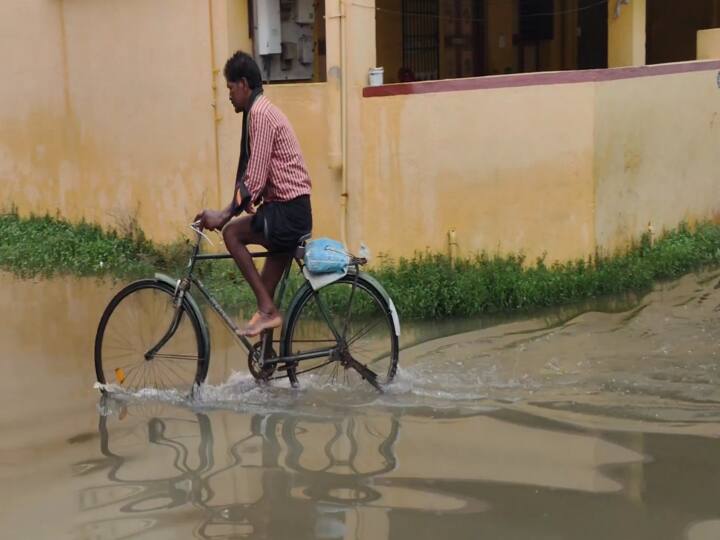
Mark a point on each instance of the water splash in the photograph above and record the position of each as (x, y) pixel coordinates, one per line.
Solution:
(656, 362)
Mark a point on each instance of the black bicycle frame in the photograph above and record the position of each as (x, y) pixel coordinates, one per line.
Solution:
(190, 279)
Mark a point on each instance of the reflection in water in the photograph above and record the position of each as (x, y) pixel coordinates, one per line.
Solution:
(602, 425)
(172, 472)
(279, 468)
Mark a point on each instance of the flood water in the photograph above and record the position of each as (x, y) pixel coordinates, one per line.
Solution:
(567, 425)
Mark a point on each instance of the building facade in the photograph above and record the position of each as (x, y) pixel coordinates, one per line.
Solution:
(557, 127)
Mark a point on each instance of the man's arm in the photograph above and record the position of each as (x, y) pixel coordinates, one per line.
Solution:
(262, 135)
(215, 219)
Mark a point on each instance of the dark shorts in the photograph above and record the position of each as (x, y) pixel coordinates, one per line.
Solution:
(283, 223)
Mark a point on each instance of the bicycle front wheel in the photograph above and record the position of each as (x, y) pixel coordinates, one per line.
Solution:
(364, 328)
(135, 321)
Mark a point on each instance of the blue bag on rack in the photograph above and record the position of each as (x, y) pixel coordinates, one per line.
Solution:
(326, 256)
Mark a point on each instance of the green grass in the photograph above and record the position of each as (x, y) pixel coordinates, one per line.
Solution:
(46, 246)
(424, 286)
(429, 286)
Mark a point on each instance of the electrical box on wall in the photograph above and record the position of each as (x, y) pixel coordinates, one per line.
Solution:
(305, 12)
(267, 27)
(284, 45)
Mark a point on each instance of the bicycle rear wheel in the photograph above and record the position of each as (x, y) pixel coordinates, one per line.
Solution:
(362, 318)
(134, 322)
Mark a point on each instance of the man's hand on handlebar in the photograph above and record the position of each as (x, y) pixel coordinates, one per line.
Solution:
(212, 219)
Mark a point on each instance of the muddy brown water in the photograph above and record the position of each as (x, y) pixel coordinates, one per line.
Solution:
(567, 425)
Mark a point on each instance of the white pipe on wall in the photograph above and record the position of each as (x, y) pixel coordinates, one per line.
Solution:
(343, 121)
(216, 117)
(336, 38)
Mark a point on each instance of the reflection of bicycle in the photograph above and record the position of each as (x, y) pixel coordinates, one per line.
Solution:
(160, 461)
(357, 450)
(153, 334)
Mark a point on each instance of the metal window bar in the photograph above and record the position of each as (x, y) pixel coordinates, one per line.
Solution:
(421, 36)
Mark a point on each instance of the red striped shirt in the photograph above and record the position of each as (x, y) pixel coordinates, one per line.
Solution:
(276, 170)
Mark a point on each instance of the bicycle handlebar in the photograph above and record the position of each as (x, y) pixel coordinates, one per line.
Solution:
(195, 226)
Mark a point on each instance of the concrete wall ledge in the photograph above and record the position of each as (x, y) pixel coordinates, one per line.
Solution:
(537, 79)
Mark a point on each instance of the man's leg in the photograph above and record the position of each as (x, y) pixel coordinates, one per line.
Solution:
(273, 270)
(237, 234)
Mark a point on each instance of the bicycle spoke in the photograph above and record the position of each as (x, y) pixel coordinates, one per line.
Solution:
(164, 377)
(133, 375)
(121, 337)
(349, 312)
(332, 340)
(128, 349)
(172, 368)
(185, 357)
(149, 372)
(155, 381)
(157, 376)
(172, 371)
(138, 315)
(159, 316)
(186, 367)
(120, 355)
(147, 375)
(363, 332)
(137, 364)
(316, 367)
(361, 351)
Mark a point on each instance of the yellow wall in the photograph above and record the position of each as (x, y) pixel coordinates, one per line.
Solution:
(88, 130)
(238, 29)
(33, 101)
(469, 161)
(600, 162)
(626, 34)
(110, 122)
(655, 162)
(106, 121)
(708, 44)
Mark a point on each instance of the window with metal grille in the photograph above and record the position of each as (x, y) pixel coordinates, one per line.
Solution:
(420, 38)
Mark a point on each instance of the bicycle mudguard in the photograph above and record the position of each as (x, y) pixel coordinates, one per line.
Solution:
(191, 302)
(318, 281)
(386, 296)
(367, 277)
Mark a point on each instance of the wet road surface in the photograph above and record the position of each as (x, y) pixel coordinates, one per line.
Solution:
(564, 426)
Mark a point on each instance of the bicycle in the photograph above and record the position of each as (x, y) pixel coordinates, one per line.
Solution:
(346, 331)
(159, 463)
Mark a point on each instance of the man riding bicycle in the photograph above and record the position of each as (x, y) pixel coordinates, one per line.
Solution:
(272, 185)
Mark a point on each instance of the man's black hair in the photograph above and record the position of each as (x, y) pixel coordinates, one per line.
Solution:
(242, 66)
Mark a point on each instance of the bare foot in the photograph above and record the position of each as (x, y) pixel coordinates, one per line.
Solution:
(253, 320)
(261, 322)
